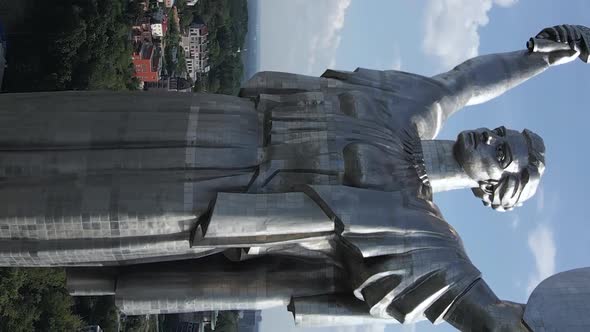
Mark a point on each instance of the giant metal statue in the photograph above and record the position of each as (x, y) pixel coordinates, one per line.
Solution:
(314, 192)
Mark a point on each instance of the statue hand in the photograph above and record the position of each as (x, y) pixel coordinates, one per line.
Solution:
(562, 43)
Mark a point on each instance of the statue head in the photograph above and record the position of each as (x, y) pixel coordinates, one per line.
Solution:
(507, 164)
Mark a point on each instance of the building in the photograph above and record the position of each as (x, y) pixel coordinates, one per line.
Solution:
(196, 321)
(147, 60)
(159, 23)
(196, 49)
(178, 84)
(91, 328)
(159, 28)
(249, 321)
(141, 32)
(191, 2)
(167, 3)
(144, 5)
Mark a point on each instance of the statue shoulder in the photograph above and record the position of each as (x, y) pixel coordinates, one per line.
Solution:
(273, 82)
(390, 80)
(417, 98)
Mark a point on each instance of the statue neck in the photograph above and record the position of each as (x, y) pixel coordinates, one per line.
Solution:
(444, 172)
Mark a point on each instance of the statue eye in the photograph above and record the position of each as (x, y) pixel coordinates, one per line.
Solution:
(501, 154)
(504, 155)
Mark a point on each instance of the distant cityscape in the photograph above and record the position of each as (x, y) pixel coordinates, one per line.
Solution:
(149, 36)
(167, 53)
(251, 57)
(246, 321)
(207, 321)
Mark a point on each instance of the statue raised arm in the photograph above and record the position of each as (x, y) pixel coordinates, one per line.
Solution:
(476, 80)
(485, 77)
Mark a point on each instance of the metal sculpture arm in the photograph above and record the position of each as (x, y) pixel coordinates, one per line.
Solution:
(558, 303)
(479, 309)
(485, 77)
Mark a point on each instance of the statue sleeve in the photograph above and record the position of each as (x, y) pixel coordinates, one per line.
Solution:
(401, 259)
(414, 286)
(468, 312)
(418, 88)
(479, 309)
(404, 261)
(485, 77)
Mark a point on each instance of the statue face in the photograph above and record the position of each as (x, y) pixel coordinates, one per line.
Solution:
(488, 154)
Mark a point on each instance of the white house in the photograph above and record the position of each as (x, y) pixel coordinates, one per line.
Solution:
(196, 50)
(157, 30)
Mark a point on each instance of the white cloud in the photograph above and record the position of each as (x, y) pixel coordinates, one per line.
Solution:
(409, 328)
(542, 245)
(505, 3)
(326, 43)
(361, 328)
(375, 328)
(301, 36)
(451, 28)
(514, 221)
(396, 64)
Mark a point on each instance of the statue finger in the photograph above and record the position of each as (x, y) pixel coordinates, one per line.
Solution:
(561, 33)
(578, 32)
(486, 199)
(496, 199)
(574, 38)
(498, 208)
(573, 33)
(552, 33)
(575, 48)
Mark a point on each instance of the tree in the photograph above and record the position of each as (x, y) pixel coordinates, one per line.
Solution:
(98, 310)
(135, 324)
(72, 45)
(35, 299)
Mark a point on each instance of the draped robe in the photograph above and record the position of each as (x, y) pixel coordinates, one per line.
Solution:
(312, 188)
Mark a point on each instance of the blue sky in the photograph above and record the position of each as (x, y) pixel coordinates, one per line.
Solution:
(514, 250)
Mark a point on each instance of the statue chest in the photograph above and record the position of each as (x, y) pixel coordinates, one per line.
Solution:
(326, 139)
